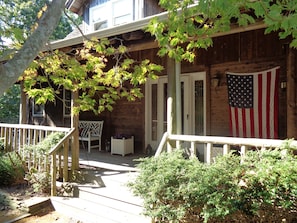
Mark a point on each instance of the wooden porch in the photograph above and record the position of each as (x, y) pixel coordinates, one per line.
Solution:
(104, 195)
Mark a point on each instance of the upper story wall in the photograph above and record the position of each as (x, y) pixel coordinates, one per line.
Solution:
(100, 14)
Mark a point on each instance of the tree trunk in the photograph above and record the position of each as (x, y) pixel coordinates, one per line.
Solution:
(14, 68)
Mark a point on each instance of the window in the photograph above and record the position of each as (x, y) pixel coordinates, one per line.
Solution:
(99, 17)
(122, 12)
(66, 103)
(113, 13)
(37, 109)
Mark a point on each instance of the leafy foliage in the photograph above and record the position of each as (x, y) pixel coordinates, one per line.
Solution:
(10, 105)
(39, 178)
(11, 169)
(261, 189)
(191, 24)
(18, 20)
(86, 71)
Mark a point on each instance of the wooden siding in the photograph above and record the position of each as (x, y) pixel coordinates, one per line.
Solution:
(242, 52)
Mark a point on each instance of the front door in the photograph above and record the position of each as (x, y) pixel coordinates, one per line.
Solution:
(192, 107)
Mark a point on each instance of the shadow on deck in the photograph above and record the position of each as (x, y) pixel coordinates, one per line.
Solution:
(103, 159)
(104, 197)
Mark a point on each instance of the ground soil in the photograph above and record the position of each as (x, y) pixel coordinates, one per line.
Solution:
(13, 206)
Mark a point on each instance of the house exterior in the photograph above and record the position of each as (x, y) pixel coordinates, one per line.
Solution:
(204, 90)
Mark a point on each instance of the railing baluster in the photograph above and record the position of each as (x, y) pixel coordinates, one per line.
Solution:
(242, 152)
(47, 163)
(226, 149)
(65, 161)
(35, 138)
(60, 164)
(208, 152)
(193, 150)
(2, 132)
(53, 174)
(30, 142)
(15, 139)
(6, 139)
(177, 144)
(20, 138)
(10, 139)
(29, 160)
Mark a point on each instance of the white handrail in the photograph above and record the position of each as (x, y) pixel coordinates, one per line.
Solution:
(224, 142)
(35, 127)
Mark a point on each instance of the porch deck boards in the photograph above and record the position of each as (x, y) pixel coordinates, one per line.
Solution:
(109, 200)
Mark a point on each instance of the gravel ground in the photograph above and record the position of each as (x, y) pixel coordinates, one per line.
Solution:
(13, 206)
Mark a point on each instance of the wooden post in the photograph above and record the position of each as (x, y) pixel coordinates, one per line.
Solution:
(75, 142)
(173, 70)
(171, 100)
(65, 161)
(53, 174)
(291, 94)
(178, 99)
(23, 106)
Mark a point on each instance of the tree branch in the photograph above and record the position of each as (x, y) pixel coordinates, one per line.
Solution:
(11, 70)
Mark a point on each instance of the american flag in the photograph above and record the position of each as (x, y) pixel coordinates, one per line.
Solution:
(253, 104)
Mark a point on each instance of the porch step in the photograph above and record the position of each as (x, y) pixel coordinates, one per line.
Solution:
(100, 209)
(114, 196)
(107, 201)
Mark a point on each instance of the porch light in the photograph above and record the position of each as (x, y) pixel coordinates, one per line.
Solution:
(215, 80)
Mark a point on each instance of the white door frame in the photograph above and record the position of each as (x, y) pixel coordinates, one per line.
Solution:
(189, 108)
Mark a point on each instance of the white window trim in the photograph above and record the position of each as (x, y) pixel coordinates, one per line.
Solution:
(37, 109)
(129, 15)
(136, 13)
(105, 7)
(66, 112)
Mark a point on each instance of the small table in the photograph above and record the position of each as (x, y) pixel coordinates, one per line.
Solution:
(122, 146)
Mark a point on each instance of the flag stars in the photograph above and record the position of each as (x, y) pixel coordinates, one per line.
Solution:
(240, 89)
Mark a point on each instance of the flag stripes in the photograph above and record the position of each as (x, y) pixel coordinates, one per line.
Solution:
(253, 104)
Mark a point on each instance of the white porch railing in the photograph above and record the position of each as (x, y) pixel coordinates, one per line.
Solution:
(17, 136)
(224, 143)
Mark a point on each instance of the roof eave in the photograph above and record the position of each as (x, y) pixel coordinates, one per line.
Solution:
(104, 33)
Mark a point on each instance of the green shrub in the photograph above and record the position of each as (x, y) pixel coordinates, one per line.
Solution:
(40, 179)
(43, 147)
(11, 169)
(263, 188)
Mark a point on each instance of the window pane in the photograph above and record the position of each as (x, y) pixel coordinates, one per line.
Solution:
(154, 112)
(99, 14)
(165, 107)
(199, 108)
(122, 11)
(121, 19)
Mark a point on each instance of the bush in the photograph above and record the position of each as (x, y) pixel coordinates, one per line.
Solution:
(263, 188)
(40, 179)
(11, 169)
